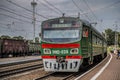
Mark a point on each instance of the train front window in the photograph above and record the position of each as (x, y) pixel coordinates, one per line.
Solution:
(61, 31)
(61, 35)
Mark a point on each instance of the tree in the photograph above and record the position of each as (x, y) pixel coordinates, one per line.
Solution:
(5, 37)
(36, 39)
(18, 37)
(110, 36)
(119, 39)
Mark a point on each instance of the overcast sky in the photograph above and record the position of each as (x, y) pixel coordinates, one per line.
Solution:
(16, 15)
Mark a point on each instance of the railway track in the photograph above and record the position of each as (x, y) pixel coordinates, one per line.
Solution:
(16, 63)
(46, 76)
(64, 75)
(42, 75)
(68, 75)
(16, 71)
(19, 67)
(56, 76)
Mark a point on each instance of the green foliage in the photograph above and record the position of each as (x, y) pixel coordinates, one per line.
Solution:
(37, 40)
(119, 39)
(18, 38)
(110, 36)
(5, 37)
(8, 37)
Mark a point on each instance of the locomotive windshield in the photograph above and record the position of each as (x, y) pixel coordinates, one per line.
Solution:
(61, 30)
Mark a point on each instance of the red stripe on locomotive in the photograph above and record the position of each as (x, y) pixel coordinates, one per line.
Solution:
(67, 57)
(49, 57)
(73, 57)
(60, 45)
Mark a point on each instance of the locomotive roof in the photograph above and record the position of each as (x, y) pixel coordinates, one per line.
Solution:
(75, 18)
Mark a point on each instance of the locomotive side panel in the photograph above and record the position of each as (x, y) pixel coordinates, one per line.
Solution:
(85, 42)
(34, 48)
(92, 45)
(97, 45)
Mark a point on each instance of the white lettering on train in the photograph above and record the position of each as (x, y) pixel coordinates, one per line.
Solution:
(60, 51)
(55, 51)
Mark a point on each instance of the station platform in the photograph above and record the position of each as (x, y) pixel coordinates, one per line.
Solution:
(108, 69)
(18, 59)
(112, 71)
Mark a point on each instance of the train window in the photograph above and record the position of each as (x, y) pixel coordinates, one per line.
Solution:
(85, 32)
(100, 42)
(93, 39)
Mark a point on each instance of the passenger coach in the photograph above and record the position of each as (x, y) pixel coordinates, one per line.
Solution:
(69, 43)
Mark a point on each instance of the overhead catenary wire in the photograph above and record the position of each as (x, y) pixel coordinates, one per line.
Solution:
(49, 7)
(80, 9)
(90, 9)
(8, 9)
(114, 3)
(8, 28)
(25, 8)
(3, 27)
(12, 9)
(110, 5)
(15, 13)
(4, 7)
(18, 14)
(54, 6)
(3, 24)
(15, 18)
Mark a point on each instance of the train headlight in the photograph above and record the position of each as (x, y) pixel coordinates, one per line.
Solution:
(47, 51)
(74, 51)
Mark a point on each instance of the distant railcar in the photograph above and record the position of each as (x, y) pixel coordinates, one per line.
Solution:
(12, 47)
(34, 48)
(69, 43)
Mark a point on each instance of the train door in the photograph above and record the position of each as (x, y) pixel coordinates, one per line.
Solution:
(90, 50)
(87, 45)
(85, 41)
(85, 32)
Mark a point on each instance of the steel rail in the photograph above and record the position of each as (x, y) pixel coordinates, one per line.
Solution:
(19, 70)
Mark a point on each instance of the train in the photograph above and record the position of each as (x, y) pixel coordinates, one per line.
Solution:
(15, 48)
(70, 43)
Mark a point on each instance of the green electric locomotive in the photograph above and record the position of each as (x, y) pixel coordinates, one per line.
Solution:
(67, 43)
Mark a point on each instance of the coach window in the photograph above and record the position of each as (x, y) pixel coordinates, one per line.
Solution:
(85, 32)
(94, 39)
(100, 42)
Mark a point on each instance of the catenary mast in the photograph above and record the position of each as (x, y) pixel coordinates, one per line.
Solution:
(33, 3)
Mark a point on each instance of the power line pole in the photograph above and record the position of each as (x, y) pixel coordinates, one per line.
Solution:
(33, 3)
(116, 37)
